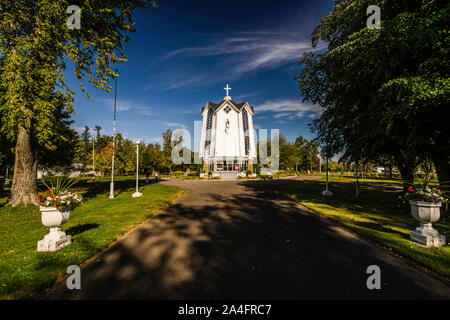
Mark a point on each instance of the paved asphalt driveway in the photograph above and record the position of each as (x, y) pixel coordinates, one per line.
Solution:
(239, 240)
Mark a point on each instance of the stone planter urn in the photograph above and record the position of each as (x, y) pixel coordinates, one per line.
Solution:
(426, 213)
(55, 239)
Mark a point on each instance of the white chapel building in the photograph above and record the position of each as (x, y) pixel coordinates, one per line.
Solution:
(228, 142)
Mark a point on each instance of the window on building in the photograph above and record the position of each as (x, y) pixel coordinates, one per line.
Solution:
(246, 131)
(209, 119)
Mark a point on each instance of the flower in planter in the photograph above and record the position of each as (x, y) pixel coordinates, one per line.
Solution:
(59, 194)
(427, 194)
(424, 190)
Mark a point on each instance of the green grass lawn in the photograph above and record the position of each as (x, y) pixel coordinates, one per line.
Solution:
(377, 214)
(95, 224)
(333, 178)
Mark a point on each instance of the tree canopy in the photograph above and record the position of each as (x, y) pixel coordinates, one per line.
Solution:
(384, 91)
(35, 47)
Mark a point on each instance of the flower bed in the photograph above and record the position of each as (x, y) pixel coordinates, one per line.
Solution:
(425, 194)
(59, 195)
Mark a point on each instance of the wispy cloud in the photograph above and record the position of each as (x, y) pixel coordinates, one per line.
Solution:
(125, 105)
(77, 128)
(147, 88)
(247, 95)
(269, 56)
(225, 46)
(190, 80)
(249, 54)
(289, 109)
(146, 112)
(239, 55)
(174, 125)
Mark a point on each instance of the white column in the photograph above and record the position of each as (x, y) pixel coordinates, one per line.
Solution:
(137, 194)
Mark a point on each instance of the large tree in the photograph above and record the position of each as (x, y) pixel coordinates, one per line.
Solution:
(383, 90)
(6, 156)
(35, 45)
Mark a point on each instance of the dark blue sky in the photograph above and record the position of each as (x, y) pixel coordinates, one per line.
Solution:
(185, 52)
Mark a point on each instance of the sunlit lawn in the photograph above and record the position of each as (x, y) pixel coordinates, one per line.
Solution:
(377, 214)
(349, 178)
(334, 178)
(93, 225)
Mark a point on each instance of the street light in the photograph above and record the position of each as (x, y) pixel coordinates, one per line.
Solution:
(137, 194)
(326, 192)
(111, 187)
(93, 158)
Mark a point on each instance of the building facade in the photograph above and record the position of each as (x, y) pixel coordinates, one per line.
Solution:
(228, 141)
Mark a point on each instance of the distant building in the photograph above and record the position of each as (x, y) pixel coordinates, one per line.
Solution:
(76, 170)
(228, 142)
(380, 169)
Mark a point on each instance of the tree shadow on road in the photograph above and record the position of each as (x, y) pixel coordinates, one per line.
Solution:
(243, 245)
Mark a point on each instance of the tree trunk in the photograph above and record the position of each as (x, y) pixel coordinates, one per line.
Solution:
(24, 183)
(407, 174)
(357, 181)
(441, 162)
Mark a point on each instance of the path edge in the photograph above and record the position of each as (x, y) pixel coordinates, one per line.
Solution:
(40, 295)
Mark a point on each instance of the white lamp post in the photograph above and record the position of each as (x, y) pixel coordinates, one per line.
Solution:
(93, 158)
(111, 187)
(137, 194)
(326, 192)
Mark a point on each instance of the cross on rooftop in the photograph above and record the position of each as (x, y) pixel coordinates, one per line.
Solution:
(227, 88)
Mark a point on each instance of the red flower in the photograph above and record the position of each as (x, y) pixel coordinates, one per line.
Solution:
(39, 195)
(437, 191)
(48, 191)
(410, 190)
